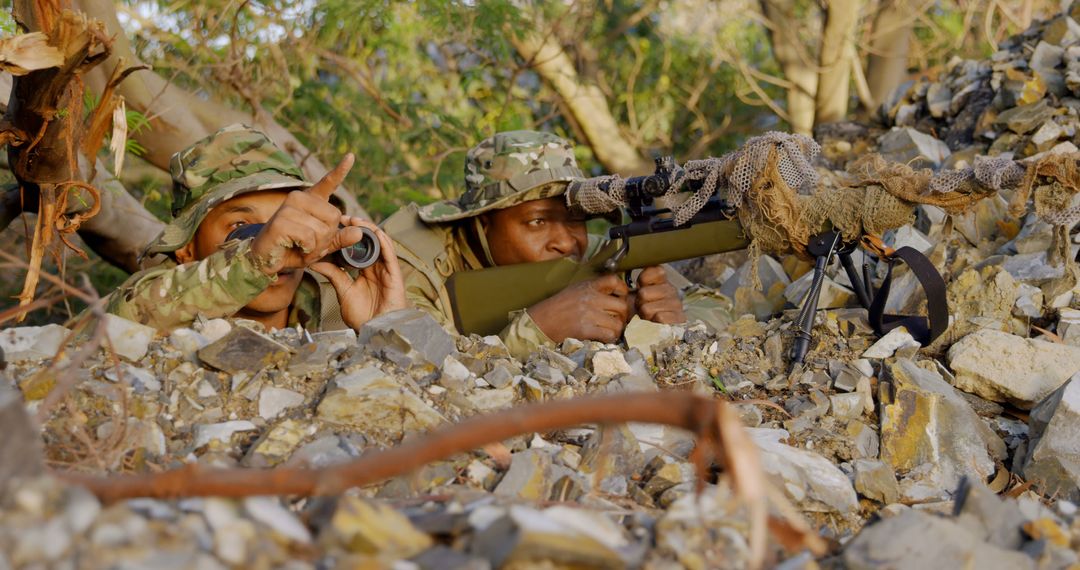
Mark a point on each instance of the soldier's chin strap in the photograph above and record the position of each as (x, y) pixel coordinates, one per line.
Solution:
(481, 235)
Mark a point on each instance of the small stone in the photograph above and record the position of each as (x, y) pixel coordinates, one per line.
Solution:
(222, 432)
(938, 98)
(243, 349)
(1052, 463)
(1032, 267)
(909, 146)
(500, 376)
(1006, 368)
(21, 452)
(894, 340)
(1025, 118)
(644, 335)
(372, 402)
(31, 343)
(278, 443)
(480, 474)
(847, 406)
(1029, 301)
(610, 363)
(807, 478)
(876, 481)
(865, 442)
(268, 511)
(408, 337)
(316, 356)
(273, 401)
(187, 341)
(833, 295)
(912, 540)
(530, 476)
(373, 528)
(525, 537)
(128, 339)
(988, 517)
(453, 374)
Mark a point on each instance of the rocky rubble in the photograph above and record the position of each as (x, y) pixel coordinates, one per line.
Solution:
(894, 452)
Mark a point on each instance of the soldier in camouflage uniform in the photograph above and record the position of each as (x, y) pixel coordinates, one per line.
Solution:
(513, 211)
(279, 278)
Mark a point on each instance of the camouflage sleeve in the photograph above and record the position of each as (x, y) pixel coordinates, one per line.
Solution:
(523, 336)
(167, 298)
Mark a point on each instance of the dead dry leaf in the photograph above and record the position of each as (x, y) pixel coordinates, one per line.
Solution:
(118, 144)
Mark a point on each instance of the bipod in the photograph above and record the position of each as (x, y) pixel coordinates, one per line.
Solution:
(822, 246)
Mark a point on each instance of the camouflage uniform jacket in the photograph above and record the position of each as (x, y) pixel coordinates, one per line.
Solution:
(170, 295)
(431, 253)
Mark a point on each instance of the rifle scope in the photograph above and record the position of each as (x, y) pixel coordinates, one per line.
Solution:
(361, 254)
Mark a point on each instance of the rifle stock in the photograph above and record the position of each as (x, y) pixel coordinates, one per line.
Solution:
(483, 299)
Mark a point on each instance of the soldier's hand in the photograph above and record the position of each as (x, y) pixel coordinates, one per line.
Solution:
(305, 228)
(378, 289)
(656, 299)
(590, 310)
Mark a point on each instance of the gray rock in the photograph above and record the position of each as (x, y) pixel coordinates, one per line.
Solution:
(222, 432)
(988, 517)
(531, 476)
(807, 478)
(913, 540)
(270, 512)
(926, 422)
(1032, 267)
(273, 401)
(1006, 368)
(894, 340)
(129, 339)
(1029, 302)
(31, 343)
(938, 99)
(865, 442)
(644, 335)
(1053, 463)
(316, 356)
(454, 375)
(833, 294)
(371, 401)
(21, 452)
(907, 145)
(1025, 118)
(408, 337)
(526, 537)
(876, 481)
(770, 272)
(610, 363)
(243, 350)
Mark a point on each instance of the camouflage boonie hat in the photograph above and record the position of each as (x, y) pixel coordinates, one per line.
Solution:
(233, 161)
(508, 169)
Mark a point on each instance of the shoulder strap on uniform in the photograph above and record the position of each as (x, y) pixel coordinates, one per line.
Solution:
(423, 246)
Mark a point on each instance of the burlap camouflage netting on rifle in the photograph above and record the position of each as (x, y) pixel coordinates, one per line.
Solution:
(773, 186)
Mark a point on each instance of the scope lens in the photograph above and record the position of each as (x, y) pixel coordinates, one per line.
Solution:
(245, 231)
(363, 253)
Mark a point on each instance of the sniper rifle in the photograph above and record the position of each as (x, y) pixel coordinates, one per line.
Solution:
(482, 300)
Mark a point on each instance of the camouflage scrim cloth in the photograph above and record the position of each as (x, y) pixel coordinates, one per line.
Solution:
(508, 169)
(233, 161)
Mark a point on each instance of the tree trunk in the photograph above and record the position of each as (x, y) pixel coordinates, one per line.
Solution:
(837, 49)
(586, 103)
(180, 118)
(886, 67)
(795, 61)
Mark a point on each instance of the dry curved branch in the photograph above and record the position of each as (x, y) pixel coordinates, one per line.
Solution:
(720, 438)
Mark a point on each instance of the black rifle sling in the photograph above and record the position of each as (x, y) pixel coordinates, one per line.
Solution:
(923, 329)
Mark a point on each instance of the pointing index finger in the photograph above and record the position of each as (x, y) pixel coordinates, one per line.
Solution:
(326, 186)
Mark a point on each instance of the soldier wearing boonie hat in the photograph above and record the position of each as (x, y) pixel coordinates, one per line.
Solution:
(513, 211)
(234, 177)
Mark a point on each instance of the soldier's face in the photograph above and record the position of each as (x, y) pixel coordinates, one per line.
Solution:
(253, 208)
(533, 231)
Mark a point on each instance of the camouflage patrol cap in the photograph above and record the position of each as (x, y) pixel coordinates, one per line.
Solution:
(508, 169)
(233, 161)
